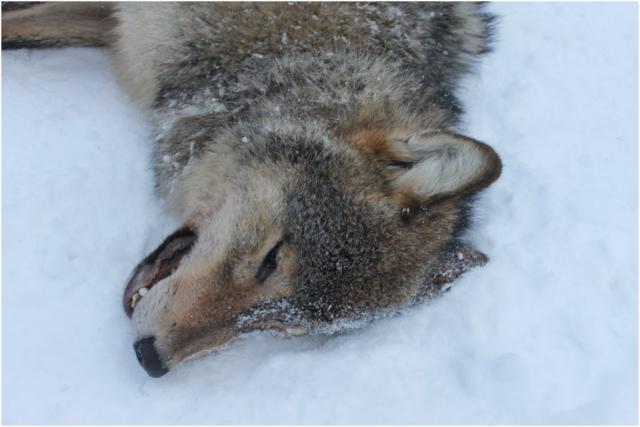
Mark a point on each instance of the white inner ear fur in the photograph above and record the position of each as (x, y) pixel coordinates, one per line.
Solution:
(446, 163)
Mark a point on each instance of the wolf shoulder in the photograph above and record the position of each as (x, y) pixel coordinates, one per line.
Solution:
(179, 44)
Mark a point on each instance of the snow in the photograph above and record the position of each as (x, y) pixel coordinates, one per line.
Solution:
(546, 332)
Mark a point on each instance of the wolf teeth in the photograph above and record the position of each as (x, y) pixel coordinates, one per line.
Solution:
(134, 300)
(138, 296)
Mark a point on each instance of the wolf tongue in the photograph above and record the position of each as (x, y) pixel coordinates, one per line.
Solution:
(170, 258)
(158, 265)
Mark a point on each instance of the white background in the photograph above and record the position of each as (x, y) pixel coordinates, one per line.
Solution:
(545, 333)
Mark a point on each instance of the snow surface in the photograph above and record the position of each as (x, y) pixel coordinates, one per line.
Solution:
(547, 332)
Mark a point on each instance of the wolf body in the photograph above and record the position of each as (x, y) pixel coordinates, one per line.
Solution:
(306, 147)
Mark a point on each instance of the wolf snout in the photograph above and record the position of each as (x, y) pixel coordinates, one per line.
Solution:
(149, 358)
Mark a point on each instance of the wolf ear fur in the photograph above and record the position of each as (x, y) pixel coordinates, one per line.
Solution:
(436, 165)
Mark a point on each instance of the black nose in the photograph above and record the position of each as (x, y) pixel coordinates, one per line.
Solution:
(149, 358)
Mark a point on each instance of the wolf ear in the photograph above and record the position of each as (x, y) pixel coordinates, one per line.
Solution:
(436, 165)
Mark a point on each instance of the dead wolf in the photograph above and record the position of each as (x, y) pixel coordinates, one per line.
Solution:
(308, 148)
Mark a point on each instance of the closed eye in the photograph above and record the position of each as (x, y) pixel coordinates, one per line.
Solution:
(269, 264)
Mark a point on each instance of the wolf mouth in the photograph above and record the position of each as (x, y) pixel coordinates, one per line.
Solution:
(158, 265)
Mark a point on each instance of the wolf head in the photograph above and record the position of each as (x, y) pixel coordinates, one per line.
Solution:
(290, 229)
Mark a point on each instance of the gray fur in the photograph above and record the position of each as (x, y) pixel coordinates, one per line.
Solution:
(403, 58)
(322, 126)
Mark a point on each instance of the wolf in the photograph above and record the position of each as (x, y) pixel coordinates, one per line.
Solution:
(309, 149)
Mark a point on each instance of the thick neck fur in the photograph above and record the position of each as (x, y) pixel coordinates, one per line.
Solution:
(335, 95)
(342, 67)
